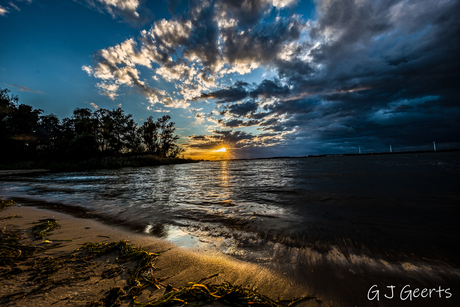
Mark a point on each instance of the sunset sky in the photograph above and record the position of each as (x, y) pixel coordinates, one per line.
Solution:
(261, 78)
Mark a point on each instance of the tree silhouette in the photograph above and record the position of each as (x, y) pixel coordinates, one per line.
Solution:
(166, 133)
(149, 133)
(19, 124)
(28, 134)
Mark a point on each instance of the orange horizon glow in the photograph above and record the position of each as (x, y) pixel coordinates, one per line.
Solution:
(222, 151)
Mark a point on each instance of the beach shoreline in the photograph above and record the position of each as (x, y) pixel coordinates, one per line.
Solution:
(332, 284)
(178, 265)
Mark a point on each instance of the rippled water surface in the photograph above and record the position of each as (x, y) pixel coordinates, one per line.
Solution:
(401, 202)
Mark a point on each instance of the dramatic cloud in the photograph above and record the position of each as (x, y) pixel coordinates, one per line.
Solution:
(228, 138)
(381, 71)
(194, 52)
(242, 109)
(229, 94)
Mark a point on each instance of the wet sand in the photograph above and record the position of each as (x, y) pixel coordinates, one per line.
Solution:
(178, 265)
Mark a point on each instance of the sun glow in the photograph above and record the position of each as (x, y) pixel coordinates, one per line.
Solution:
(223, 149)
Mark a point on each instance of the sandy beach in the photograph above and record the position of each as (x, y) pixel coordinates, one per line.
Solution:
(178, 266)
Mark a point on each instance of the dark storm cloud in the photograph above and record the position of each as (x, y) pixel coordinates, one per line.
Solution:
(240, 90)
(353, 19)
(202, 42)
(198, 137)
(293, 106)
(230, 94)
(243, 109)
(269, 88)
(403, 48)
(236, 123)
(270, 122)
(401, 109)
(246, 12)
(233, 139)
(296, 71)
(387, 75)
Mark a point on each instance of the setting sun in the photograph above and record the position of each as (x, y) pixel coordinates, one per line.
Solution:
(223, 149)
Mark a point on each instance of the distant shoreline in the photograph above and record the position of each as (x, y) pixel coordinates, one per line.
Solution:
(345, 154)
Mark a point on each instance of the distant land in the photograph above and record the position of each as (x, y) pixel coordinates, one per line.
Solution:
(349, 154)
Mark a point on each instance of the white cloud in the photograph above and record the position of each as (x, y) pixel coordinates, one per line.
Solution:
(152, 108)
(200, 117)
(118, 64)
(88, 70)
(240, 67)
(95, 106)
(124, 5)
(3, 11)
(171, 32)
(130, 11)
(14, 6)
(179, 72)
(108, 89)
(125, 53)
(283, 3)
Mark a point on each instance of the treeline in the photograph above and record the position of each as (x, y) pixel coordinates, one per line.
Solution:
(27, 134)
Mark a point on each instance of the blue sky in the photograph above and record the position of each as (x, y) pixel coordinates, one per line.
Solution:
(260, 77)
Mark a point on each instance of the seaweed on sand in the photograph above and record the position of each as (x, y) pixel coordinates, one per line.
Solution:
(112, 298)
(43, 227)
(225, 293)
(17, 257)
(191, 294)
(11, 249)
(6, 203)
(142, 274)
(10, 217)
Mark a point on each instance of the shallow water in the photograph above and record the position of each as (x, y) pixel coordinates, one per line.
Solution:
(374, 211)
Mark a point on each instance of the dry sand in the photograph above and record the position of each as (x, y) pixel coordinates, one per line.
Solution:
(177, 264)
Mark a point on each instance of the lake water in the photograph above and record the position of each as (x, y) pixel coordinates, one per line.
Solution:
(364, 212)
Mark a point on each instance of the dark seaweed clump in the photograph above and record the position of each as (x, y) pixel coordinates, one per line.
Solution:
(5, 203)
(43, 227)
